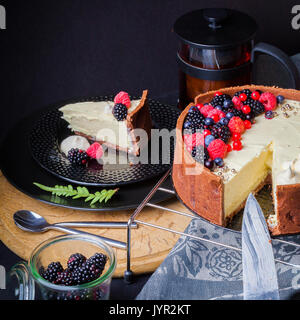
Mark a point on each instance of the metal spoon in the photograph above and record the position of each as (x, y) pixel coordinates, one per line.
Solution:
(32, 222)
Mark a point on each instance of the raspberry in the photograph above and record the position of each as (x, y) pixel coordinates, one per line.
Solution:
(193, 140)
(216, 112)
(217, 149)
(95, 151)
(123, 98)
(238, 104)
(236, 125)
(268, 100)
(206, 109)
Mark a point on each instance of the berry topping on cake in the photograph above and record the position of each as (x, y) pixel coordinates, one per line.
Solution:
(216, 114)
(219, 162)
(219, 100)
(208, 139)
(220, 131)
(78, 157)
(268, 100)
(255, 95)
(257, 107)
(280, 99)
(269, 114)
(123, 98)
(209, 122)
(120, 111)
(206, 109)
(236, 125)
(200, 154)
(217, 149)
(194, 118)
(247, 124)
(237, 145)
(243, 97)
(193, 140)
(246, 109)
(95, 151)
(246, 92)
(238, 104)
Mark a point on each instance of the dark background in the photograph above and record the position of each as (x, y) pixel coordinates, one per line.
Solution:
(57, 50)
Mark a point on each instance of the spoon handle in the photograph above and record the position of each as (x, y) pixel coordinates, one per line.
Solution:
(89, 224)
(112, 242)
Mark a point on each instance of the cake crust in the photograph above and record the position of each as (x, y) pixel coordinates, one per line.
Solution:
(209, 188)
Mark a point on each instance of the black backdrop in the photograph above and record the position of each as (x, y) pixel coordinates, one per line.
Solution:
(53, 50)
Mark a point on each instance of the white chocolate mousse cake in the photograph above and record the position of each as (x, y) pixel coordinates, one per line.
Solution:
(112, 123)
(219, 162)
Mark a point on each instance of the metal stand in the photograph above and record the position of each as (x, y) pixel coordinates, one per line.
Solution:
(128, 274)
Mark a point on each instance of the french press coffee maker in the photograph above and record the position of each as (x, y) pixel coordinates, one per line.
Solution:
(216, 50)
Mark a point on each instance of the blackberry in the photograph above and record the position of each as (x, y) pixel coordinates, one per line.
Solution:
(237, 113)
(87, 272)
(120, 111)
(246, 91)
(219, 100)
(75, 260)
(220, 131)
(196, 119)
(65, 278)
(52, 271)
(200, 154)
(257, 107)
(78, 157)
(99, 260)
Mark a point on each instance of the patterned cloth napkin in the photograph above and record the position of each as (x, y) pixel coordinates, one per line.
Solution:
(198, 270)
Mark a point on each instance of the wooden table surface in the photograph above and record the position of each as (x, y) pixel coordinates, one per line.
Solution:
(150, 246)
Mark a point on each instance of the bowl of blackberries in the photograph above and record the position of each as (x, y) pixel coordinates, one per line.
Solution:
(69, 267)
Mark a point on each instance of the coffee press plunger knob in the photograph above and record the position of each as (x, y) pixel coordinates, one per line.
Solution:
(215, 17)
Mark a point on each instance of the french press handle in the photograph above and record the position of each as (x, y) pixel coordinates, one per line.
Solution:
(280, 56)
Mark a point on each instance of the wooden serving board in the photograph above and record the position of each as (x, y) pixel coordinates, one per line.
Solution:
(150, 246)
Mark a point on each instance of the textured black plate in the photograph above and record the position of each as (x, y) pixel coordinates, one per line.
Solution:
(50, 130)
(22, 170)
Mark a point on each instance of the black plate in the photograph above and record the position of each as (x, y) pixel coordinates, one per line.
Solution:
(50, 130)
(21, 170)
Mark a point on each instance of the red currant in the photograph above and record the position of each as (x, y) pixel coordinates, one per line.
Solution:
(199, 106)
(218, 93)
(243, 97)
(255, 95)
(247, 124)
(236, 136)
(246, 109)
(237, 145)
(215, 117)
(229, 148)
(206, 133)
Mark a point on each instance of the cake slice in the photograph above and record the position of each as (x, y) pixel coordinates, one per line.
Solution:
(112, 123)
